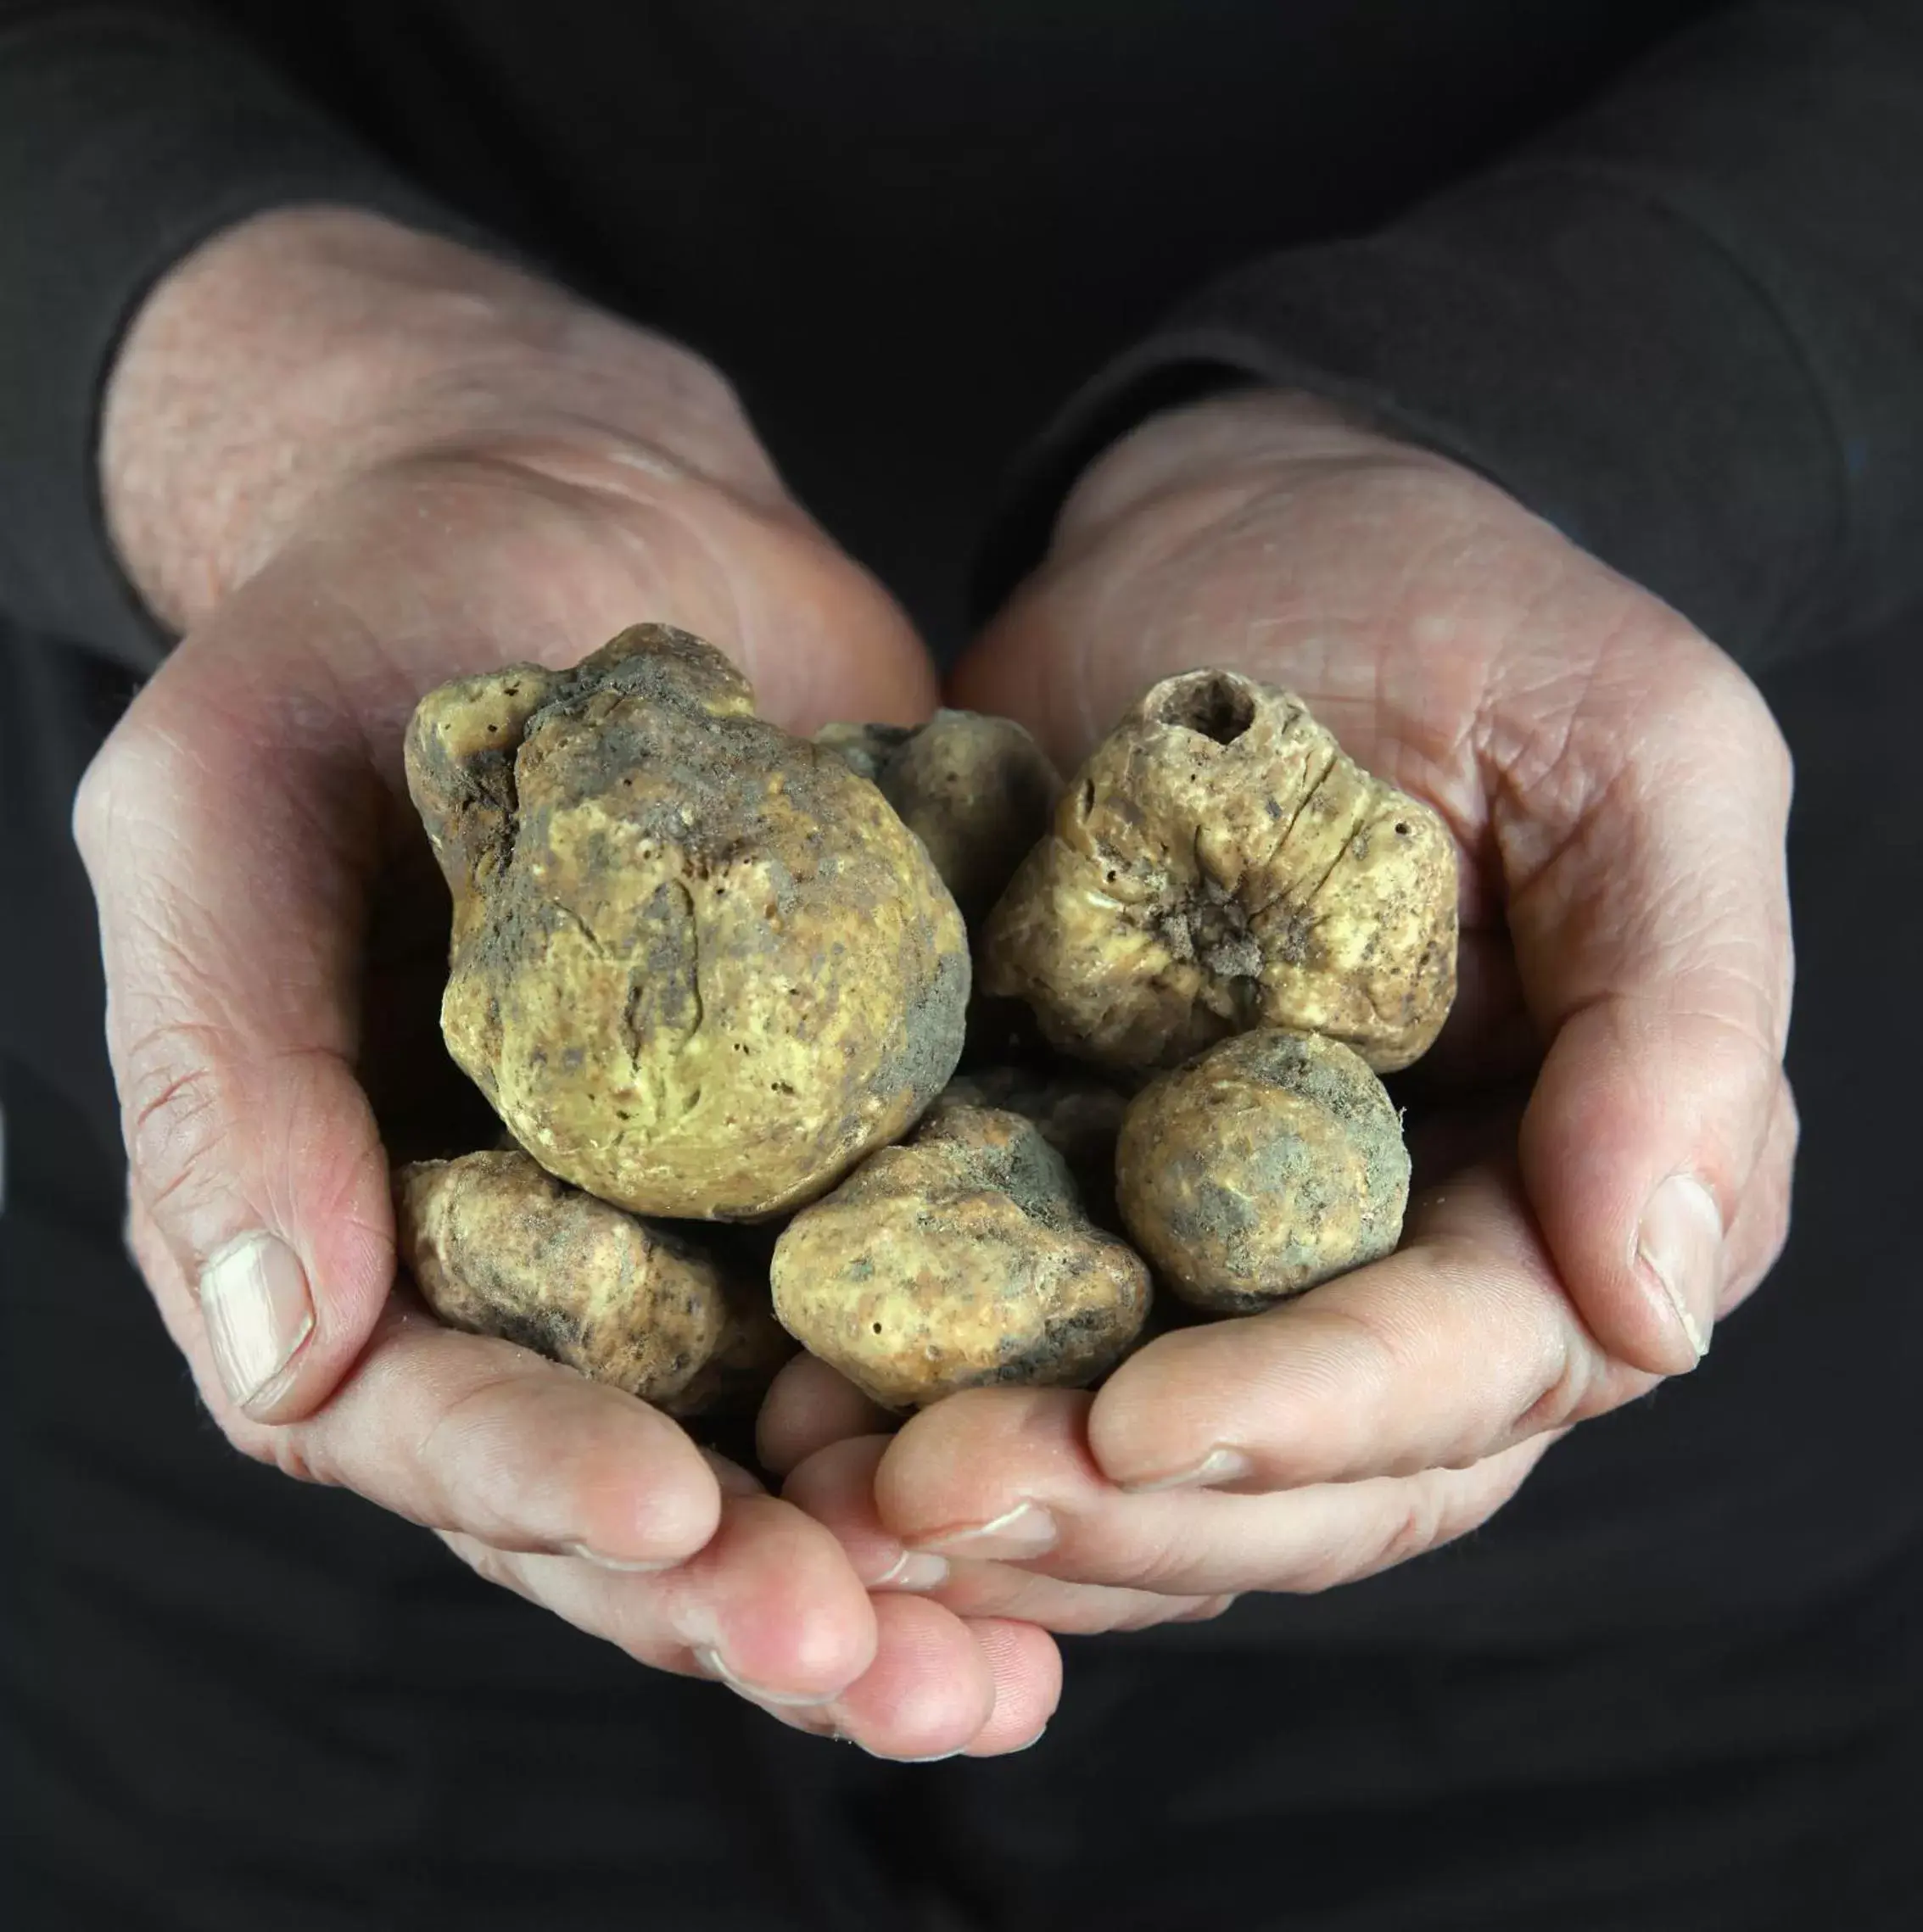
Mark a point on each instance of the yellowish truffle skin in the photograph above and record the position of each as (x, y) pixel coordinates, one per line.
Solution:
(959, 1259)
(976, 791)
(699, 968)
(498, 1246)
(1270, 1163)
(1217, 864)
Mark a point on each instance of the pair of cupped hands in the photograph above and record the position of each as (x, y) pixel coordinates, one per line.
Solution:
(348, 462)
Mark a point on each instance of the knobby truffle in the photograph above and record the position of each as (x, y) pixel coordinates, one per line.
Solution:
(698, 966)
(1219, 863)
(975, 790)
(498, 1246)
(960, 1258)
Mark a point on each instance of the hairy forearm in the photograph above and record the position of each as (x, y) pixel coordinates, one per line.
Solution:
(307, 347)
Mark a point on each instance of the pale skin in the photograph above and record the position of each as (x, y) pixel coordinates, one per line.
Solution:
(346, 463)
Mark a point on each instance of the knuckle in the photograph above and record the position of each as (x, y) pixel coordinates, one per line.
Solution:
(1412, 1525)
(1562, 1397)
(285, 1450)
(1428, 1512)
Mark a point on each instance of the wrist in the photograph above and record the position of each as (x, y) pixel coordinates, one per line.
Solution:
(305, 348)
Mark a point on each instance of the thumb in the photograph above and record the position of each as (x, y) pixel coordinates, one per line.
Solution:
(1649, 909)
(228, 827)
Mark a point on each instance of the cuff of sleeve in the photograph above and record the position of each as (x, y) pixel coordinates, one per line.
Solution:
(1561, 332)
(125, 140)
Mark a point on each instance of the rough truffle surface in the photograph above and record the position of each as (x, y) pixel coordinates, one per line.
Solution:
(976, 791)
(1217, 864)
(960, 1258)
(1076, 1113)
(1270, 1163)
(498, 1246)
(699, 967)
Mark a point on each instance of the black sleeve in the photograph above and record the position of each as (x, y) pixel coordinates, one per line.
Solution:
(1686, 327)
(128, 134)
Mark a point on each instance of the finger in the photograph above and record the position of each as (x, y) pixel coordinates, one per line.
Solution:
(1449, 1351)
(836, 1486)
(1043, 1500)
(921, 1699)
(462, 1433)
(808, 1406)
(228, 840)
(1027, 1666)
(768, 1606)
(928, 1693)
(1650, 909)
(1089, 1607)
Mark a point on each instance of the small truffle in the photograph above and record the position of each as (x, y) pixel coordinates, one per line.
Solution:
(1268, 1163)
(976, 791)
(1218, 864)
(960, 1258)
(498, 1246)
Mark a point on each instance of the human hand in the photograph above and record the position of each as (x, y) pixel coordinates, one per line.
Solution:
(1603, 1136)
(350, 463)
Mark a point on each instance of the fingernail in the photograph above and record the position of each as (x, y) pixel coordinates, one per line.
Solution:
(1218, 1466)
(1680, 1243)
(934, 1757)
(913, 1570)
(1027, 1530)
(1015, 1750)
(255, 1299)
(716, 1667)
(630, 1566)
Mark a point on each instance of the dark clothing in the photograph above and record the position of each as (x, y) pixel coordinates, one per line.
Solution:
(1675, 301)
(1677, 305)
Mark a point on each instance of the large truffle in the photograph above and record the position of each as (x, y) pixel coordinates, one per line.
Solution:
(1270, 1163)
(960, 1258)
(975, 790)
(498, 1246)
(698, 966)
(1218, 864)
